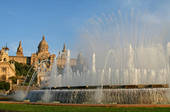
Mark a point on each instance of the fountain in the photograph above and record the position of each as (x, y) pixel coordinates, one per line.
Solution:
(125, 68)
(108, 87)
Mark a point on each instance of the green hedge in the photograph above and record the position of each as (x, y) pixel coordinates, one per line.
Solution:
(4, 85)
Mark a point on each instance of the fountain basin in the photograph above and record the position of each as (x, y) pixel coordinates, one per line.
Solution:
(140, 86)
(103, 96)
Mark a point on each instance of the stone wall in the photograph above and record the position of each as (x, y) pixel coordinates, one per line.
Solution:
(20, 59)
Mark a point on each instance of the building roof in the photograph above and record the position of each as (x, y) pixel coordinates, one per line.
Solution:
(43, 44)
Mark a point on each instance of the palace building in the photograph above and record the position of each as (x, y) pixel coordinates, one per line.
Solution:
(42, 55)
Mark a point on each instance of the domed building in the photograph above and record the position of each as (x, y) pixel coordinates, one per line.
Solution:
(42, 56)
(43, 46)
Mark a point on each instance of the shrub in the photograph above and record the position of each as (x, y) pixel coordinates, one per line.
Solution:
(4, 85)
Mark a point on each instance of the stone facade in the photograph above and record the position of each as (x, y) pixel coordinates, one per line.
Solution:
(20, 58)
(62, 56)
(7, 69)
(19, 50)
(41, 56)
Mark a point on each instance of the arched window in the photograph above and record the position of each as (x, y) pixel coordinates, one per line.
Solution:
(4, 69)
(5, 59)
(3, 77)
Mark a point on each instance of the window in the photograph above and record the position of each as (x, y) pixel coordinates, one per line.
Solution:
(4, 69)
(4, 59)
(3, 77)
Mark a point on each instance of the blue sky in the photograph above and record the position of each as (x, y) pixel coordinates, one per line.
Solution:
(61, 20)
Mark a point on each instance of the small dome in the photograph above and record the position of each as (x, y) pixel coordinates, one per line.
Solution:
(43, 45)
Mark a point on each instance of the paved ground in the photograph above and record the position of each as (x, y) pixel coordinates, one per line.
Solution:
(90, 105)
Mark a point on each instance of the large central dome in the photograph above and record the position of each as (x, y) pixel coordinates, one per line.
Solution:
(43, 45)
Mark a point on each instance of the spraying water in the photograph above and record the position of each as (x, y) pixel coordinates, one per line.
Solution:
(124, 50)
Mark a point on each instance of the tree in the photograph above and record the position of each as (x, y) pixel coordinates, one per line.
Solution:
(14, 79)
(22, 70)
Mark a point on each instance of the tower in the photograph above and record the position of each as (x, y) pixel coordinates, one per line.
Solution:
(4, 54)
(64, 52)
(19, 50)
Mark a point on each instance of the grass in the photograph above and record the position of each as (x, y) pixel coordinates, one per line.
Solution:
(41, 108)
